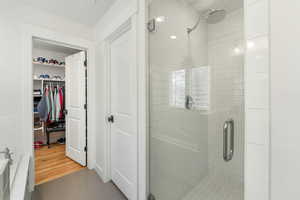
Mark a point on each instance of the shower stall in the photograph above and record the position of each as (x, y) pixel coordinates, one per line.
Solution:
(196, 100)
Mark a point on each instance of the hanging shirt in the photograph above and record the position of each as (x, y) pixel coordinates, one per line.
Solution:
(61, 103)
(57, 105)
(54, 103)
(52, 114)
(46, 94)
(49, 102)
(43, 108)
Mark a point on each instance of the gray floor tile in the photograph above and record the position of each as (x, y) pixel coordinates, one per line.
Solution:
(82, 185)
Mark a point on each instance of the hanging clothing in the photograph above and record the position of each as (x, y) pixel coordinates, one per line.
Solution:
(61, 103)
(54, 103)
(57, 104)
(51, 106)
(43, 109)
(52, 112)
(47, 100)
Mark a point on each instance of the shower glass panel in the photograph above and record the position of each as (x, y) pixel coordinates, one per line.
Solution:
(196, 99)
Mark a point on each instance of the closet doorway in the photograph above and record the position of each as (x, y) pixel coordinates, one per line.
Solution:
(60, 109)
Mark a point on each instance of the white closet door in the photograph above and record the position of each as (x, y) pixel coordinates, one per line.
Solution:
(124, 110)
(75, 100)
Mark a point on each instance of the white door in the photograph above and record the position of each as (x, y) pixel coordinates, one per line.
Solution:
(124, 110)
(75, 101)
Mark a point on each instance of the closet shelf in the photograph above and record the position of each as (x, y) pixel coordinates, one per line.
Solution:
(49, 65)
(46, 79)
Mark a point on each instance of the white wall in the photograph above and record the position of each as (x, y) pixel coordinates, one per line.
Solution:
(285, 98)
(11, 88)
(118, 13)
(12, 17)
(257, 100)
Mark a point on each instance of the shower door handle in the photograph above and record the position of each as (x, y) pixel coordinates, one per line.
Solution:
(228, 140)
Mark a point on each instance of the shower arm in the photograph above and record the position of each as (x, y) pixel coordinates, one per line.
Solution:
(216, 14)
(189, 30)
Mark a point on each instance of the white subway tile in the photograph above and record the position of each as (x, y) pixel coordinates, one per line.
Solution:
(257, 100)
(257, 91)
(256, 171)
(257, 19)
(257, 126)
(249, 2)
(257, 58)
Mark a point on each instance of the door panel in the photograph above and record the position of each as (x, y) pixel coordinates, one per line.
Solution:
(75, 100)
(124, 109)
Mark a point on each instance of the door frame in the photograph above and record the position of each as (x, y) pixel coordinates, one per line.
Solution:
(29, 33)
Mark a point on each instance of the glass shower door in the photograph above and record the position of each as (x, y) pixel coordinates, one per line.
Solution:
(196, 100)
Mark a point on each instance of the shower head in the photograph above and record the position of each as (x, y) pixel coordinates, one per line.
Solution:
(212, 16)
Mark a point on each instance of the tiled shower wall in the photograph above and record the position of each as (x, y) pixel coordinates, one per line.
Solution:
(257, 100)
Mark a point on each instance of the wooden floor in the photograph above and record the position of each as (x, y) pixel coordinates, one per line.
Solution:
(52, 163)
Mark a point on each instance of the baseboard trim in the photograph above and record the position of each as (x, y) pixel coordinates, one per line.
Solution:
(99, 170)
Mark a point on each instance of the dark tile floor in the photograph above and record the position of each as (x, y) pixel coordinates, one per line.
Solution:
(82, 185)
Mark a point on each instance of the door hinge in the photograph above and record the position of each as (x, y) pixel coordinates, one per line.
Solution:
(85, 106)
(85, 148)
(85, 62)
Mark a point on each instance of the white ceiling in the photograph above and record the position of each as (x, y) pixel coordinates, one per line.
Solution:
(228, 5)
(86, 12)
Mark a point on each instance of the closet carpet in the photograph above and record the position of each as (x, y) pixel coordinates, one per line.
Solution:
(51, 163)
(82, 185)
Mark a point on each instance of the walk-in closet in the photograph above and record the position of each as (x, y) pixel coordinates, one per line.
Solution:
(59, 109)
